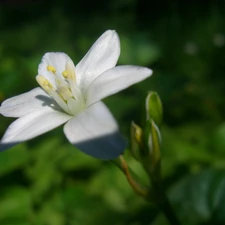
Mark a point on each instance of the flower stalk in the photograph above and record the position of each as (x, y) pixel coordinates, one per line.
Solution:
(146, 148)
(132, 179)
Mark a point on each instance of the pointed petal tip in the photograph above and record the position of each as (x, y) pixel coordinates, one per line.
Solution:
(142, 72)
(110, 31)
(32, 125)
(149, 71)
(102, 56)
(114, 36)
(111, 36)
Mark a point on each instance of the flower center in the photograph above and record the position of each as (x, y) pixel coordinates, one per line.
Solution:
(64, 89)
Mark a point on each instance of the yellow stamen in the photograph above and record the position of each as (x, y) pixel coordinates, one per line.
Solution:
(64, 92)
(51, 69)
(44, 83)
(70, 68)
(65, 74)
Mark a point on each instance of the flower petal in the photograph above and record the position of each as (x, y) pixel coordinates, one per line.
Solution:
(28, 102)
(95, 132)
(102, 56)
(115, 80)
(32, 125)
(57, 60)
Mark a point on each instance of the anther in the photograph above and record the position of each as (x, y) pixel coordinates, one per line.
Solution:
(44, 83)
(70, 68)
(51, 69)
(65, 74)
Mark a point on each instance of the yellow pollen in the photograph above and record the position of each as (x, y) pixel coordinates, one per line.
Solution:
(44, 83)
(65, 74)
(51, 69)
(70, 70)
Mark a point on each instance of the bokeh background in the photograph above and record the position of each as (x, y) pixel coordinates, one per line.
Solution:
(46, 181)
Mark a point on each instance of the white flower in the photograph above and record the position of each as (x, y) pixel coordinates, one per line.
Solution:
(71, 94)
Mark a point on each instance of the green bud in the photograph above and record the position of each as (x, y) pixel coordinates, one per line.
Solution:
(151, 157)
(136, 140)
(154, 108)
(154, 143)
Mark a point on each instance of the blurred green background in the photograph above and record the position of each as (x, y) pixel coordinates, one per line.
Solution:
(46, 181)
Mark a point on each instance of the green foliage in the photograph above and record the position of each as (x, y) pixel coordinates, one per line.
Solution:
(47, 181)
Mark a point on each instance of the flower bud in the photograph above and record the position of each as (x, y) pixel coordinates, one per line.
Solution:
(151, 157)
(154, 109)
(136, 140)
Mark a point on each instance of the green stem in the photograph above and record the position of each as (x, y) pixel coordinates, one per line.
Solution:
(132, 179)
(154, 194)
(168, 212)
(164, 204)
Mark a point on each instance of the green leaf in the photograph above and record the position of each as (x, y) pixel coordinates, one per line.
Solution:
(200, 198)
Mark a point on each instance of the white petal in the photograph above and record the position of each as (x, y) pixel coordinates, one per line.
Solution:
(102, 56)
(28, 102)
(95, 132)
(32, 125)
(57, 60)
(115, 80)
